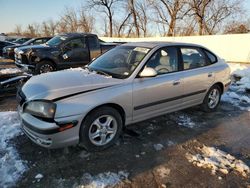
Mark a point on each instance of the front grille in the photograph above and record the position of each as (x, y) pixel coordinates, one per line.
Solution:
(24, 59)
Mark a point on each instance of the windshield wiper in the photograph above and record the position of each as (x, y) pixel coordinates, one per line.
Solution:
(102, 72)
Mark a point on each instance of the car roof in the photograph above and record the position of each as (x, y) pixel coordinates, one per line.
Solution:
(77, 34)
(154, 44)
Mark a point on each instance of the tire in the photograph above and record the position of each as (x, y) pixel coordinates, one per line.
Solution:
(44, 67)
(96, 136)
(212, 99)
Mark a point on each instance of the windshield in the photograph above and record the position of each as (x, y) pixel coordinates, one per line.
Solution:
(29, 41)
(119, 62)
(55, 41)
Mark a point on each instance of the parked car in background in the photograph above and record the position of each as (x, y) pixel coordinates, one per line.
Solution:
(91, 106)
(10, 39)
(3, 44)
(8, 51)
(61, 52)
(21, 40)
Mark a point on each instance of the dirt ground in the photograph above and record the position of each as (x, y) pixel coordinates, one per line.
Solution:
(227, 129)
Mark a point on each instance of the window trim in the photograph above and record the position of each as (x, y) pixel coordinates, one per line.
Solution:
(199, 49)
(178, 61)
(206, 50)
(66, 42)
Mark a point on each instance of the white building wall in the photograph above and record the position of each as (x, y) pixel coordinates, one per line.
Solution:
(234, 48)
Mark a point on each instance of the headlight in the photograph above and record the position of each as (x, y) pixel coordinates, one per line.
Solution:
(43, 109)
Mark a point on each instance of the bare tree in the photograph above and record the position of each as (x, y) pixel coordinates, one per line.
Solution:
(69, 21)
(121, 27)
(236, 27)
(143, 17)
(30, 32)
(45, 29)
(52, 27)
(132, 9)
(169, 12)
(18, 29)
(86, 22)
(106, 6)
(210, 13)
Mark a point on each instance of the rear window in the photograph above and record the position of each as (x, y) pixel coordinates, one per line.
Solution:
(211, 57)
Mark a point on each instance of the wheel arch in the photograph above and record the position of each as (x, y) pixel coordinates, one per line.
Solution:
(221, 86)
(50, 60)
(112, 105)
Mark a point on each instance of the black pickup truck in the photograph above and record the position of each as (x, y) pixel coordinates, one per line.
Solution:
(61, 52)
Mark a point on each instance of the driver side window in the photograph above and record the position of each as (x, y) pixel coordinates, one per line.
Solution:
(74, 44)
(164, 61)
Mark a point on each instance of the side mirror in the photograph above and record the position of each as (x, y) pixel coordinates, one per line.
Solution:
(148, 72)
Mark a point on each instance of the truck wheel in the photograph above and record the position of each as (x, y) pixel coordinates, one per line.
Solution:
(100, 129)
(44, 67)
(212, 99)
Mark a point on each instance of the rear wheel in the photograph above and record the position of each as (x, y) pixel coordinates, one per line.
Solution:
(44, 67)
(212, 99)
(100, 129)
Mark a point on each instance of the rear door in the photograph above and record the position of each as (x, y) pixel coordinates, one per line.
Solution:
(158, 95)
(75, 53)
(198, 75)
(94, 47)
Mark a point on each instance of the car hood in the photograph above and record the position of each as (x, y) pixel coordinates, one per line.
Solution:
(55, 85)
(14, 46)
(35, 47)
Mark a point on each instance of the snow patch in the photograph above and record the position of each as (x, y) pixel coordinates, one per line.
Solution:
(185, 121)
(39, 176)
(102, 180)
(238, 91)
(11, 166)
(10, 71)
(217, 161)
(158, 147)
(236, 67)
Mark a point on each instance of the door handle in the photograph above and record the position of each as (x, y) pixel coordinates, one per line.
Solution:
(176, 82)
(210, 74)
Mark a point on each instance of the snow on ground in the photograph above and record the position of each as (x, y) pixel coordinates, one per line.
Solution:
(10, 71)
(238, 93)
(102, 180)
(11, 166)
(185, 121)
(218, 161)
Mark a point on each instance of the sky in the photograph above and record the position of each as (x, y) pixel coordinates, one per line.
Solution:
(24, 12)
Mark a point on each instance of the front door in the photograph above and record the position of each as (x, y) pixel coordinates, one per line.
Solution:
(161, 94)
(75, 53)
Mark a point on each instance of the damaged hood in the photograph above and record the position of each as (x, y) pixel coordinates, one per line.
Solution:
(56, 85)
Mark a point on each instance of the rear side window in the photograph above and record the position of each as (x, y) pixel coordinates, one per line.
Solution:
(93, 42)
(193, 58)
(211, 57)
(75, 43)
(38, 41)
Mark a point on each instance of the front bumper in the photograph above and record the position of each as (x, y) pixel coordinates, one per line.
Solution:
(227, 85)
(22, 66)
(47, 134)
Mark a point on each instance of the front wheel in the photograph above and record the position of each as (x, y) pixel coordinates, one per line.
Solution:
(44, 67)
(212, 99)
(100, 129)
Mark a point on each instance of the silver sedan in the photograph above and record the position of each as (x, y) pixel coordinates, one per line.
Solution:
(130, 83)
